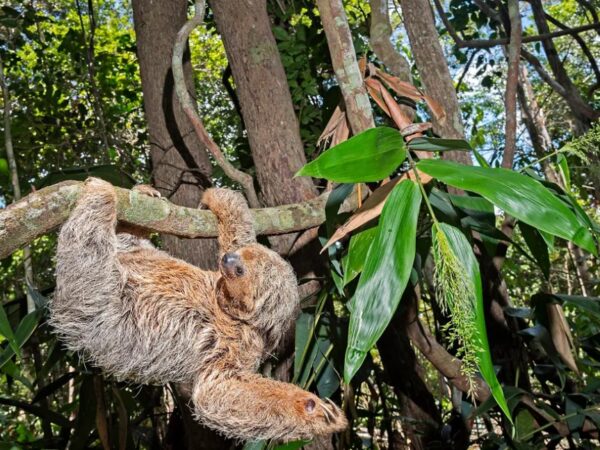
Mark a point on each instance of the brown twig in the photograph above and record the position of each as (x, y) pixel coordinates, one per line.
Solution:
(512, 81)
(189, 108)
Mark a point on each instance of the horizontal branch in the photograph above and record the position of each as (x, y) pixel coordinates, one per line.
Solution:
(45, 210)
(489, 43)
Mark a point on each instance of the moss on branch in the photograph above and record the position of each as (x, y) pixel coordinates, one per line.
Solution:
(45, 210)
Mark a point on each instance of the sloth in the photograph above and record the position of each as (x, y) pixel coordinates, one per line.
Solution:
(141, 315)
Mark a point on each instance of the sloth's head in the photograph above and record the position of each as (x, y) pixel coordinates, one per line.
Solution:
(260, 288)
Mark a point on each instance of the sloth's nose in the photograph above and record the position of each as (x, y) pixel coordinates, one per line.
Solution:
(230, 259)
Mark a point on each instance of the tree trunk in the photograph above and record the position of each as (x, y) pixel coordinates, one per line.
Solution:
(265, 99)
(271, 123)
(181, 167)
(433, 68)
(343, 57)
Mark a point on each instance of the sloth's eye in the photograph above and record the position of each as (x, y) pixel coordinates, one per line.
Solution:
(239, 271)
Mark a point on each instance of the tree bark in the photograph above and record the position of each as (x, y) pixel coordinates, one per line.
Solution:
(345, 66)
(435, 75)
(512, 82)
(181, 166)
(535, 122)
(43, 211)
(582, 112)
(264, 96)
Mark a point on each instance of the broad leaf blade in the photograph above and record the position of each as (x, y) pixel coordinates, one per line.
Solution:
(461, 247)
(385, 274)
(369, 156)
(520, 196)
(431, 144)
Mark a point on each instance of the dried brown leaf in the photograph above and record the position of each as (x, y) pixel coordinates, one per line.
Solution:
(561, 335)
(400, 119)
(372, 86)
(372, 207)
(404, 89)
(338, 119)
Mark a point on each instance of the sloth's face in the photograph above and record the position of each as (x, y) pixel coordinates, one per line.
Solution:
(259, 286)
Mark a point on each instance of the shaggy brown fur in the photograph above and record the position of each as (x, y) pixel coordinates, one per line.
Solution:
(144, 316)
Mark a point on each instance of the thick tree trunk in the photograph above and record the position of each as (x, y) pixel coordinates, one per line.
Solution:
(265, 99)
(271, 123)
(433, 68)
(181, 166)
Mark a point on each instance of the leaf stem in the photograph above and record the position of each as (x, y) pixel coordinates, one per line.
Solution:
(421, 187)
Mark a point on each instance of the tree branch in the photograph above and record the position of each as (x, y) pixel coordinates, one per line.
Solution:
(512, 80)
(189, 108)
(347, 72)
(44, 210)
(489, 43)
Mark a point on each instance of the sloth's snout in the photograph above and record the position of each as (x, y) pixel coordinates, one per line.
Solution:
(230, 259)
(231, 265)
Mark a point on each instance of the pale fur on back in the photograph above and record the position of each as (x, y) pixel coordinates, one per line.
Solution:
(144, 316)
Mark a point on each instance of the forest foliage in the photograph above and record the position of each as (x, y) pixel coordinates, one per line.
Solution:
(463, 310)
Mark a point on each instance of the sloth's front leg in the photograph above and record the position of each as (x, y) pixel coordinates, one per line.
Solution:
(250, 407)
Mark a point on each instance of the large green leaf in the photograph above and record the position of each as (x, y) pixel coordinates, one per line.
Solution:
(385, 274)
(519, 195)
(461, 247)
(369, 156)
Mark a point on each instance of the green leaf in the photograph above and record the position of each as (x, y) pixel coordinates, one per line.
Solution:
(563, 166)
(431, 144)
(22, 334)
(591, 305)
(4, 171)
(7, 332)
(518, 195)
(369, 156)
(461, 247)
(480, 159)
(86, 416)
(385, 274)
(357, 253)
(294, 445)
(538, 247)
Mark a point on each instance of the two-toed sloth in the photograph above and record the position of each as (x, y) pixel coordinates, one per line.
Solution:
(142, 315)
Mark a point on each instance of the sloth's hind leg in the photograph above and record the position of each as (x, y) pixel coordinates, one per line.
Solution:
(88, 275)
